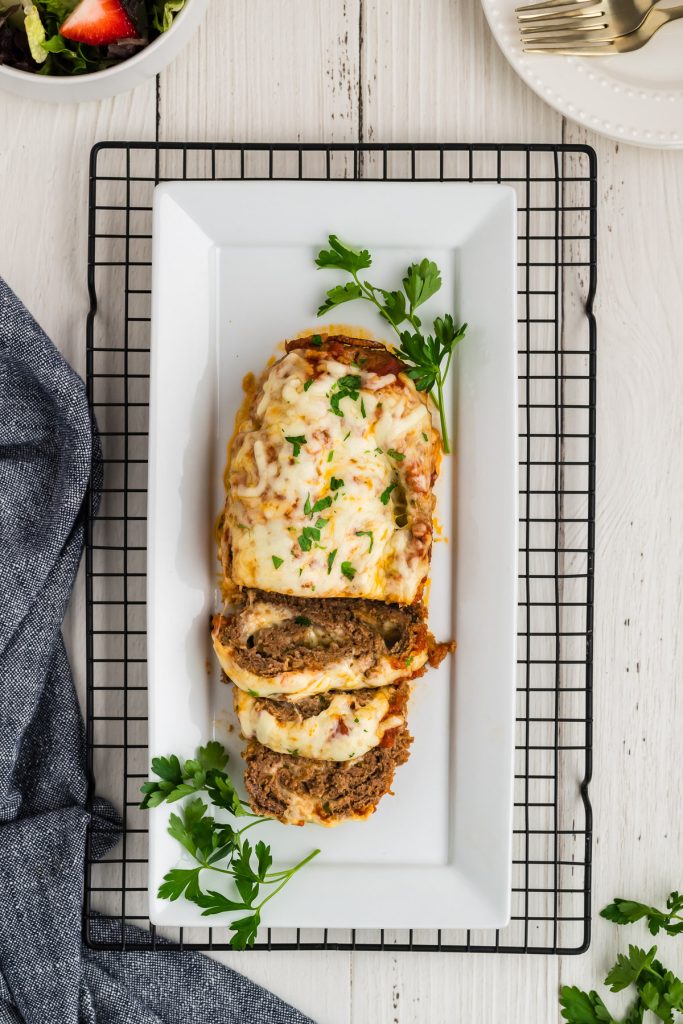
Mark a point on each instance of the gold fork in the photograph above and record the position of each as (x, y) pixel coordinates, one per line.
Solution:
(615, 17)
(600, 35)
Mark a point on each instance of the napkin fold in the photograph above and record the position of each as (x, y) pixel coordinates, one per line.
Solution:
(46, 975)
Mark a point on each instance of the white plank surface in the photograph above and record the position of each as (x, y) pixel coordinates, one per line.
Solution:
(429, 71)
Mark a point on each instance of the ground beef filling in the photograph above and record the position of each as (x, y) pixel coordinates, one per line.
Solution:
(323, 632)
(338, 790)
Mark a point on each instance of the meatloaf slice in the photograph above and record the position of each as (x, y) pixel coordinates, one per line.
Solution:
(296, 790)
(333, 726)
(277, 645)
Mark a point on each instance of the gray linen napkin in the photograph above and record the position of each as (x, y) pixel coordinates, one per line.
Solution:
(46, 976)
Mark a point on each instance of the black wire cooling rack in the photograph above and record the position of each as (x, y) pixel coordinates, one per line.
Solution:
(556, 192)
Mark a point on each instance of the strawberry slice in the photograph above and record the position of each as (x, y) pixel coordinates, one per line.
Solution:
(98, 23)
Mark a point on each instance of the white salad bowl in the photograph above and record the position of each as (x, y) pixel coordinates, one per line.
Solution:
(120, 78)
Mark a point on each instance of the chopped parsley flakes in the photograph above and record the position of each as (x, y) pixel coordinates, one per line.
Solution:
(395, 455)
(277, 562)
(330, 456)
(307, 385)
(366, 533)
(386, 494)
(330, 560)
(346, 387)
(348, 570)
(316, 340)
(335, 483)
(296, 443)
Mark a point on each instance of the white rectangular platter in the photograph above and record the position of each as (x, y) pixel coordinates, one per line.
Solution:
(234, 275)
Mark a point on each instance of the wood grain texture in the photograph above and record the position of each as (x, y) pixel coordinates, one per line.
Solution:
(314, 70)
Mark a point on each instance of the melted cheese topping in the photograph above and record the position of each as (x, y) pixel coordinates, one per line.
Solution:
(339, 510)
(341, 732)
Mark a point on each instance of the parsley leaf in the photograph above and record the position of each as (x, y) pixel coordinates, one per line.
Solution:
(307, 385)
(180, 780)
(392, 453)
(316, 340)
(277, 562)
(297, 443)
(623, 911)
(330, 560)
(421, 282)
(348, 570)
(321, 505)
(335, 483)
(330, 456)
(366, 533)
(628, 969)
(343, 257)
(583, 1007)
(386, 493)
(339, 294)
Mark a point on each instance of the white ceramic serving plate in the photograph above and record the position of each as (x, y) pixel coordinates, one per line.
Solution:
(233, 274)
(631, 97)
(120, 78)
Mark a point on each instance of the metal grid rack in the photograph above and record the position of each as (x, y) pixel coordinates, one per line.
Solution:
(556, 190)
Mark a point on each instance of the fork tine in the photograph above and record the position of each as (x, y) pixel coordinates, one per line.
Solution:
(548, 4)
(559, 31)
(592, 11)
(581, 49)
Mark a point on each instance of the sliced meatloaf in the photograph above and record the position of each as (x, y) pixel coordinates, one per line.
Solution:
(296, 790)
(275, 645)
(333, 726)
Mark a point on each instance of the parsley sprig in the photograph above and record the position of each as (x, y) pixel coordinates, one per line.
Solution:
(216, 846)
(657, 989)
(428, 355)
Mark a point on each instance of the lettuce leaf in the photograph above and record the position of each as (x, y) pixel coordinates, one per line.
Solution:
(163, 13)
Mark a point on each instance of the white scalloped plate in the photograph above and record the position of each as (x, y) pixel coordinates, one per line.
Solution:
(632, 97)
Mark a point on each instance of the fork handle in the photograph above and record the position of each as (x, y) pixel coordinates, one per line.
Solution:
(661, 16)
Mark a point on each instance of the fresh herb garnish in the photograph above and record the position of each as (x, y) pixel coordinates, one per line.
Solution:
(307, 506)
(252, 693)
(386, 493)
(301, 620)
(366, 533)
(307, 385)
(392, 453)
(330, 560)
(362, 408)
(657, 989)
(344, 387)
(320, 524)
(347, 436)
(330, 456)
(320, 505)
(316, 340)
(623, 911)
(308, 535)
(348, 570)
(335, 483)
(425, 354)
(297, 443)
(277, 562)
(215, 846)
(424, 436)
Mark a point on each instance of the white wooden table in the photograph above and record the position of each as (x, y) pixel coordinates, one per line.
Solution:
(425, 71)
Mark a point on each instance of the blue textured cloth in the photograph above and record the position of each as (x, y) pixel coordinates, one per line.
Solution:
(46, 976)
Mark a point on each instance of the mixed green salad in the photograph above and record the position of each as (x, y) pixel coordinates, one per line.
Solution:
(76, 37)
